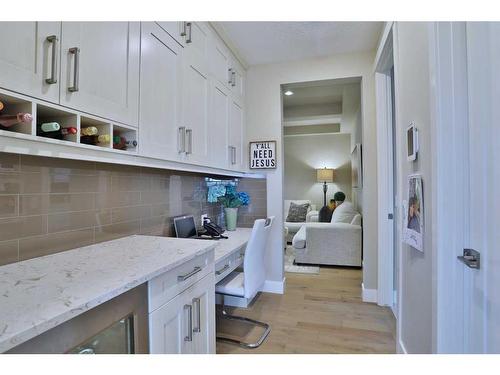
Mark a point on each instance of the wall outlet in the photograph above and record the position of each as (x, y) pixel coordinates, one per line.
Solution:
(203, 218)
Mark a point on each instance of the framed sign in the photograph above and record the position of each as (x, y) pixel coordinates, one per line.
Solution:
(263, 155)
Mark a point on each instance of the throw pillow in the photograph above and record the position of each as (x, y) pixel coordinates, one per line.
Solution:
(344, 213)
(297, 212)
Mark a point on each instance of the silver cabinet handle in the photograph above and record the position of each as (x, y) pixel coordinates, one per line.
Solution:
(230, 76)
(188, 275)
(222, 270)
(75, 51)
(181, 139)
(189, 133)
(233, 78)
(197, 304)
(189, 336)
(52, 39)
(183, 32)
(232, 149)
(189, 26)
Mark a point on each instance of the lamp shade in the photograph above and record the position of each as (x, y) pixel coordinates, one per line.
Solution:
(325, 174)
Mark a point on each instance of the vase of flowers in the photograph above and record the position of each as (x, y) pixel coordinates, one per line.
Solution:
(231, 201)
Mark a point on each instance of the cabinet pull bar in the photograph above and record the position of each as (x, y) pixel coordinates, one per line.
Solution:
(230, 79)
(222, 270)
(183, 32)
(76, 69)
(197, 304)
(189, 133)
(233, 78)
(189, 26)
(188, 275)
(52, 39)
(189, 336)
(181, 139)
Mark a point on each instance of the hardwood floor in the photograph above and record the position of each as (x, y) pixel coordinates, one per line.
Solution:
(317, 314)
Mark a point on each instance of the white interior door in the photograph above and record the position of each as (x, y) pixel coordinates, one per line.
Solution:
(482, 286)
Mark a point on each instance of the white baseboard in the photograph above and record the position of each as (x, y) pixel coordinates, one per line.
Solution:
(368, 295)
(277, 287)
(400, 347)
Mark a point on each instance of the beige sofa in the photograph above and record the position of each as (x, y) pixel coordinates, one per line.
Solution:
(294, 227)
(335, 243)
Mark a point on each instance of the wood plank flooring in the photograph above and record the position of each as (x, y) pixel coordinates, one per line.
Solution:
(317, 314)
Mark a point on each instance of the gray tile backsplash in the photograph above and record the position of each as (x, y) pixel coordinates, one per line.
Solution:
(49, 205)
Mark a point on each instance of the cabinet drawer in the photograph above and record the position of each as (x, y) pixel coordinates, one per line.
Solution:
(225, 266)
(163, 288)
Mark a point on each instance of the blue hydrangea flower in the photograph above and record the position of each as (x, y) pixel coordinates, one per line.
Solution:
(244, 198)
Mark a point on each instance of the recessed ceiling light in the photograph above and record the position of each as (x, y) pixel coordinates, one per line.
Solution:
(288, 92)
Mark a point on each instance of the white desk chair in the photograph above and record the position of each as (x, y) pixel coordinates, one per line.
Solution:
(248, 283)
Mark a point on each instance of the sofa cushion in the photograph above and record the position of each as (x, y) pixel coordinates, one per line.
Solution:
(299, 240)
(297, 212)
(356, 220)
(344, 213)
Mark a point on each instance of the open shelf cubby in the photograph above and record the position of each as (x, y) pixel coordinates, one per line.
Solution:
(65, 119)
(12, 106)
(130, 135)
(103, 128)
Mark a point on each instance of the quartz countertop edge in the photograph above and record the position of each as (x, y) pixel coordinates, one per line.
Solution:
(42, 293)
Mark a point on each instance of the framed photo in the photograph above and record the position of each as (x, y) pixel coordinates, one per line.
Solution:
(414, 214)
(356, 166)
(263, 155)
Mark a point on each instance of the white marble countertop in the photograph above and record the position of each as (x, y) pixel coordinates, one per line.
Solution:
(236, 239)
(41, 293)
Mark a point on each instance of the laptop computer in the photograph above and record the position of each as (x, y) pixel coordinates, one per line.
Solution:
(186, 228)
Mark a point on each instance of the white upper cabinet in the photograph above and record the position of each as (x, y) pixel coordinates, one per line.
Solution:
(237, 80)
(236, 120)
(220, 62)
(196, 42)
(219, 125)
(100, 69)
(175, 29)
(29, 58)
(160, 102)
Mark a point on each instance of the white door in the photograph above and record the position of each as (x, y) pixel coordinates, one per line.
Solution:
(170, 328)
(203, 303)
(482, 286)
(219, 123)
(235, 151)
(29, 62)
(100, 69)
(160, 99)
(195, 111)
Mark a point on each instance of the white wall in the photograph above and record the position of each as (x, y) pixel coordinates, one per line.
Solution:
(306, 153)
(412, 88)
(264, 121)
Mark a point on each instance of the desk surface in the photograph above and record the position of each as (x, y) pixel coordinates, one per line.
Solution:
(236, 240)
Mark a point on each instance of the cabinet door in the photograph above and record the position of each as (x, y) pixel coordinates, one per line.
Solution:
(175, 29)
(195, 112)
(196, 42)
(100, 69)
(203, 302)
(235, 135)
(219, 124)
(169, 326)
(160, 103)
(238, 79)
(220, 62)
(29, 62)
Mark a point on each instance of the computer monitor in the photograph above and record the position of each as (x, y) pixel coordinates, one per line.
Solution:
(185, 227)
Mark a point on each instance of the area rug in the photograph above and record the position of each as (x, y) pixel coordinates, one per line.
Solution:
(291, 267)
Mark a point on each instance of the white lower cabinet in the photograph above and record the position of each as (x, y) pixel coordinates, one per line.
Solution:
(185, 324)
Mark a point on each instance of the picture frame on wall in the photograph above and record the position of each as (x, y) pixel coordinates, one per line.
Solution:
(413, 230)
(356, 166)
(262, 155)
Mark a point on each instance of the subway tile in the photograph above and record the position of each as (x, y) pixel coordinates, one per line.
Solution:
(9, 205)
(10, 183)
(118, 199)
(67, 183)
(157, 226)
(159, 183)
(38, 204)
(117, 169)
(110, 232)
(9, 252)
(77, 220)
(132, 213)
(53, 243)
(154, 197)
(9, 162)
(130, 183)
(160, 209)
(56, 166)
(24, 226)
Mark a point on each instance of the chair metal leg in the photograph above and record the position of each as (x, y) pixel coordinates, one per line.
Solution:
(262, 338)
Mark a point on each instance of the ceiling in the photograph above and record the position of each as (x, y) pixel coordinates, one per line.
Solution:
(313, 95)
(271, 42)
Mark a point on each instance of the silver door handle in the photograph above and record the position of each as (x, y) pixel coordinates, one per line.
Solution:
(222, 270)
(189, 26)
(189, 133)
(188, 275)
(233, 154)
(75, 51)
(189, 336)
(52, 39)
(233, 78)
(181, 139)
(471, 258)
(230, 79)
(183, 32)
(197, 304)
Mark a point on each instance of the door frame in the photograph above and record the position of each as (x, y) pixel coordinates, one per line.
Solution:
(384, 61)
